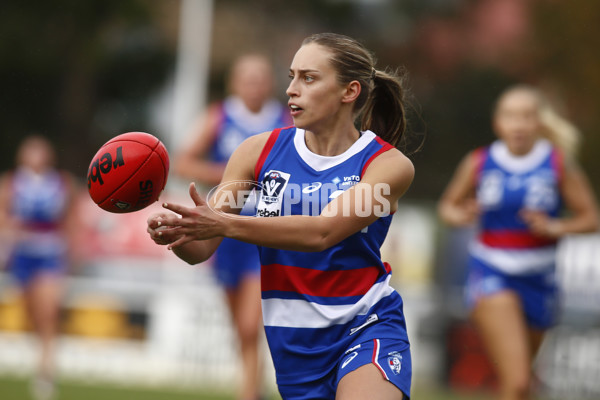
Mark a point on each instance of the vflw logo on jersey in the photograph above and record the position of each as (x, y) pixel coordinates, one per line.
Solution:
(271, 194)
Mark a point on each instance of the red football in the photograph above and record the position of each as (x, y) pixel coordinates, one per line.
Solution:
(128, 173)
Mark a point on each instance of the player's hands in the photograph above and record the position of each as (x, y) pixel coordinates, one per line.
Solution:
(463, 214)
(198, 223)
(469, 212)
(541, 224)
(159, 233)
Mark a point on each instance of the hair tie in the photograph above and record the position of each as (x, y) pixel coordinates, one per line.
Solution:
(373, 73)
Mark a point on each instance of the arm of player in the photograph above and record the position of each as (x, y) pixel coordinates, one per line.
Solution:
(457, 206)
(4, 201)
(387, 178)
(191, 162)
(580, 201)
(193, 252)
(10, 226)
(164, 228)
(6, 227)
(71, 222)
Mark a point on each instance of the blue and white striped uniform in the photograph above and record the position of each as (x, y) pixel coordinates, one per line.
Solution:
(238, 123)
(39, 202)
(234, 259)
(322, 306)
(506, 254)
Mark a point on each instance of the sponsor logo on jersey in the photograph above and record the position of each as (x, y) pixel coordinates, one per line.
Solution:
(490, 193)
(266, 213)
(273, 185)
(278, 195)
(395, 362)
(370, 319)
(312, 187)
(346, 180)
(350, 180)
(272, 189)
(540, 192)
(349, 358)
(351, 349)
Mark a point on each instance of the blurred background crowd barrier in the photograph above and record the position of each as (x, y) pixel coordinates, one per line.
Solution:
(83, 72)
(134, 314)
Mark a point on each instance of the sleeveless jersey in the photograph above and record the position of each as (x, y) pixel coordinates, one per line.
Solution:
(507, 184)
(238, 123)
(234, 259)
(39, 202)
(316, 304)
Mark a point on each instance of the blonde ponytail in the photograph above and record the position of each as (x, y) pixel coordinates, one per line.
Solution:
(558, 130)
(561, 132)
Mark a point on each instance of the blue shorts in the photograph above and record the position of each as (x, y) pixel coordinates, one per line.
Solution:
(234, 261)
(538, 292)
(390, 356)
(24, 267)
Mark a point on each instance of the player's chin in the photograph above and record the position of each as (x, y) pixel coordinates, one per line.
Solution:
(301, 123)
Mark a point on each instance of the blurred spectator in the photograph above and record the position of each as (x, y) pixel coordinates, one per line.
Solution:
(250, 109)
(515, 189)
(37, 220)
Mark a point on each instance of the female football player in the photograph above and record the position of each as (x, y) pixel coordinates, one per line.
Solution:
(327, 194)
(516, 190)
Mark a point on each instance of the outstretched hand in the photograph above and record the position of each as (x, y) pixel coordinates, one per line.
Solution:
(161, 234)
(187, 224)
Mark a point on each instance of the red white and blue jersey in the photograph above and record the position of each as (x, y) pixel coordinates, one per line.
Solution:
(316, 304)
(506, 185)
(39, 202)
(234, 259)
(238, 123)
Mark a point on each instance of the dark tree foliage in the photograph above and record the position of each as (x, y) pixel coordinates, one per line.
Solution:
(63, 61)
(566, 53)
(83, 71)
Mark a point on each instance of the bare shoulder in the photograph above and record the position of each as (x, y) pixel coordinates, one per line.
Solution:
(473, 157)
(254, 143)
(392, 167)
(395, 162)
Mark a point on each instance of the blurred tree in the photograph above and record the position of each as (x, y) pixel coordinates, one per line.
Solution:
(567, 62)
(64, 61)
(83, 71)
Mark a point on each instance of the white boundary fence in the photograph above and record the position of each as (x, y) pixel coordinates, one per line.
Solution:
(569, 361)
(189, 340)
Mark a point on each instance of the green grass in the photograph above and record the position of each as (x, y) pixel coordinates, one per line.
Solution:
(12, 388)
(17, 388)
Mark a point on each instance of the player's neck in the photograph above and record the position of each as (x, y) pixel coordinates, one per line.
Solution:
(331, 142)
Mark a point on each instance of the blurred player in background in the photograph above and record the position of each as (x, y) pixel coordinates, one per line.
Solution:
(248, 110)
(37, 220)
(335, 326)
(516, 190)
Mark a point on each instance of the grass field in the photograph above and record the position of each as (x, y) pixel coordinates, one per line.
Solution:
(12, 388)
